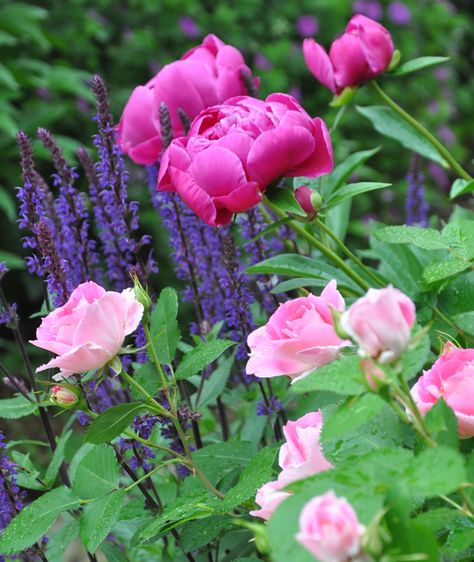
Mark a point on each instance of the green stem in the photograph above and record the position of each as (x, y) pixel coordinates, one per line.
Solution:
(156, 361)
(442, 150)
(315, 243)
(148, 474)
(340, 244)
(152, 445)
(154, 404)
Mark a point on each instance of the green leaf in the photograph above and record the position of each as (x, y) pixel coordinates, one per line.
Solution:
(60, 539)
(423, 481)
(216, 383)
(99, 517)
(388, 123)
(164, 326)
(285, 200)
(201, 356)
(147, 376)
(35, 519)
(7, 203)
(18, 407)
(220, 458)
(203, 532)
(342, 376)
(57, 460)
(418, 64)
(443, 269)
(461, 187)
(97, 474)
(28, 474)
(465, 321)
(425, 238)
(351, 414)
(270, 228)
(112, 422)
(353, 189)
(297, 283)
(12, 261)
(255, 474)
(414, 359)
(442, 424)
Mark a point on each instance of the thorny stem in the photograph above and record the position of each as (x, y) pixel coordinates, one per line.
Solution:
(442, 150)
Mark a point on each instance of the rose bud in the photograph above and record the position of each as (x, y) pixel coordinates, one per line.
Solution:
(64, 396)
(302, 455)
(380, 323)
(363, 52)
(452, 378)
(88, 331)
(330, 529)
(269, 497)
(234, 151)
(298, 338)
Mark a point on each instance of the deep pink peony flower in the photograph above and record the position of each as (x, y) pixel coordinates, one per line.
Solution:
(452, 378)
(233, 151)
(298, 337)
(380, 323)
(269, 497)
(301, 455)
(363, 52)
(204, 76)
(89, 330)
(330, 529)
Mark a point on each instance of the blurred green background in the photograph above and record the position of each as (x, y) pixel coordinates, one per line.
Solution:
(49, 50)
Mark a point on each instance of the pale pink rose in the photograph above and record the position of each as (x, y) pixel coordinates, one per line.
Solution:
(330, 529)
(206, 75)
(363, 52)
(235, 150)
(452, 378)
(301, 455)
(89, 330)
(380, 323)
(298, 338)
(269, 497)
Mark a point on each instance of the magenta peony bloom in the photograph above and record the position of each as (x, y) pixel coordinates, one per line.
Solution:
(206, 75)
(452, 378)
(88, 331)
(330, 529)
(380, 323)
(298, 338)
(269, 497)
(363, 52)
(301, 455)
(233, 151)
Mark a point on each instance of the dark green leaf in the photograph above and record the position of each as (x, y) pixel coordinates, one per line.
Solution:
(297, 283)
(57, 460)
(418, 64)
(200, 357)
(35, 519)
(460, 187)
(98, 519)
(164, 326)
(285, 200)
(220, 458)
(216, 383)
(112, 422)
(204, 531)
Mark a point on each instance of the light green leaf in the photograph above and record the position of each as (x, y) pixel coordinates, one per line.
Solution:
(418, 64)
(216, 383)
(414, 359)
(444, 269)
(99, 517)
(60, 539)
(201, 356)
(97, 474)
(35, 519)
(112, 422)
(425, 238)
(461, 187)
(57, 460)
(353, 189)
(164, 326)
(388, 123)
(18, 407)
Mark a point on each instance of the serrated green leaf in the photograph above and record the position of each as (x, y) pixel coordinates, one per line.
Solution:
(218, 459)
(18, 407)
(112, 422)
(443, 269)
(164, 326)
(342, 376)
(201, 356)
(465, 321)
(147, 376)
(203, 532)
(353, 189)
(28, 475)
(98, 519)
(388, 123)
(414, 359)
(60, 539)
(35, 519)
(425, 238)
(97, 474)
(442, 424)
(418, 64)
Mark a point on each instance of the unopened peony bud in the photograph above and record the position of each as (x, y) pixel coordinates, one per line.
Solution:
(309, 200)
(64, 396)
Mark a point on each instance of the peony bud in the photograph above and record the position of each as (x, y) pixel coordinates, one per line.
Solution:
(309, 200)
(64, 396)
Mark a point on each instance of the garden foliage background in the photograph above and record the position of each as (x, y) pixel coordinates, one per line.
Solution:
(49, 51)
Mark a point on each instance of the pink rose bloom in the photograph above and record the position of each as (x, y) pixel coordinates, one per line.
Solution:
(330, 529)
(233, 151)
(298, 337)
(363, 52)
(89, 330)
(301, 455)
(380, 323)
(269, 497)
(450, 377)
(204, 76)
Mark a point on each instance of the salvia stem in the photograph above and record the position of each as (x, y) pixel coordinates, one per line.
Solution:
(442, 150)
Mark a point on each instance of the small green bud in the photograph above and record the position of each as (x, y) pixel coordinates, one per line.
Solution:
(395, 60)
(141, 294)
(344, 97)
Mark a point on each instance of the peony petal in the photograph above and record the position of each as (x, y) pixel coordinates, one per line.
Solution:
(319, 63)
(349, 62)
